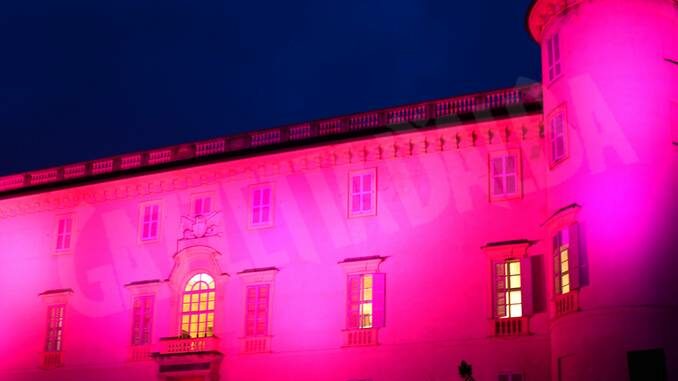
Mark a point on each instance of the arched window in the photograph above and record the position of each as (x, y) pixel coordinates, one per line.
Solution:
(197, 310)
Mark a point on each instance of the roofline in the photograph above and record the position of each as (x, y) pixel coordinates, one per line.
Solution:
(470, 108)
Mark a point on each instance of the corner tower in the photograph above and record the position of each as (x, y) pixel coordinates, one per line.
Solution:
(610, 85)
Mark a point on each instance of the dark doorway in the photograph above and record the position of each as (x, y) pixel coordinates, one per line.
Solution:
(647, 365)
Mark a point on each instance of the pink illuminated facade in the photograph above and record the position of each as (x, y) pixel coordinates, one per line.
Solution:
(527, 231)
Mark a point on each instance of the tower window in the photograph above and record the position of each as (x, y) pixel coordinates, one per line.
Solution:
(553, 56)
(557, 136)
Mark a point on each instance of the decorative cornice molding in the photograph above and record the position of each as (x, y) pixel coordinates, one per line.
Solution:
(510, 131)
(543, 12)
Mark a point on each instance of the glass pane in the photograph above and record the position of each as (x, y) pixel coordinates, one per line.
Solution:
(497, 166)
(514, 297)
(511, 184)
(266, 196)
(367, 202)
(514, 267)
(367, 183)
(355, 187)
(498, 185)
(256, 197)
(510, 164)
(355, 203)
(516, 310)
(515, 281)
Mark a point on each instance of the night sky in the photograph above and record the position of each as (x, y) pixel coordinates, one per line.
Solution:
(82, 79)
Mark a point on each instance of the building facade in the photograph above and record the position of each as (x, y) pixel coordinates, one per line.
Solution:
(529, 232)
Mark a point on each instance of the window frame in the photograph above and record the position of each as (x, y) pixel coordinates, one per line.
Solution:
(57, 234)
(553, 67)
(507, 290)
(562, 112)
(142, 221)
(251, 206)
(145, 322)
(202, 196)
(518, 173)
(55, 344)
(373, 196)
(210, 313)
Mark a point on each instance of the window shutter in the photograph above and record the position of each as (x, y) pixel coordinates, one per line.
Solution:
(574, 254)
(379, 300)
(527, 297)
(498, 290)
(556, 263)
(353, 301)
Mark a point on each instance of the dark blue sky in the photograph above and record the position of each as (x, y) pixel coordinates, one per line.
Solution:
(81, 79)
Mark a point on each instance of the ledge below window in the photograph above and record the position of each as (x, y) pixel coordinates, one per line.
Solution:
(566, 303)
(361, 337)
(51, 360)
(176, 345)
(256, 344)
(509, 327)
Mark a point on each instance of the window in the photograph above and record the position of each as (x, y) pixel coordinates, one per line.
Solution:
(55, 328)
(262, 196)
(365, 304)
(55, 301)
(508, 289)
(197, 311)
(510, 377)
(64, 229)
(142, 315)
(553, 56)
(258, 293)
(363, 193)
(557, 138)
(512, 286)
(565, 260)
(256, 319)
(150, 219)
(504, 175)
(202, 205)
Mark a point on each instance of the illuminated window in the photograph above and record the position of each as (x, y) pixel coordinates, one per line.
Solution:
(510, 377)
(55, 328)
(261, 206)
(142, 316)
(64, 229)
(504, 175)
(202, 205)
(197, 311)
(566, 259)
(256, 318)
(508, 298)
(553, 56)
(365, 304)
(150, 219)
(363, 193)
